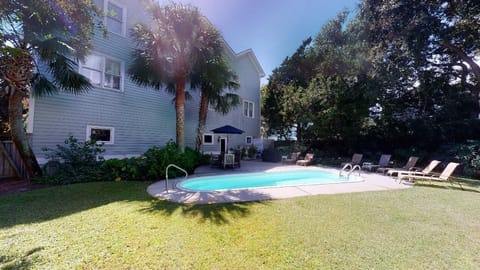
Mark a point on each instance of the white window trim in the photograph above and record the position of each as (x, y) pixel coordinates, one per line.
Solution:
(246, 140)
(112, 133)
(253, 108)
(124, 16)
(207, 143)
(102, 84)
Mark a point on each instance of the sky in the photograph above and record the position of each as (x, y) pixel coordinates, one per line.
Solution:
(273, 29)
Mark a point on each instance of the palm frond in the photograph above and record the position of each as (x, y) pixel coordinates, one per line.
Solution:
(42, 86)
(67, 77)
(143, 72)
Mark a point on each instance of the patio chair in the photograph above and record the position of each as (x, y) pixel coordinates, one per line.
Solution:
(306, 161)
(293, 158)
(356, 159)
(382, 163)
(236, 159)
(409, 166)
(216, 160)
(443, 177)
(425, 172)
(228, 160)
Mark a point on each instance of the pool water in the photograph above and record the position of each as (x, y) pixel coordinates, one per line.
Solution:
(264, 179)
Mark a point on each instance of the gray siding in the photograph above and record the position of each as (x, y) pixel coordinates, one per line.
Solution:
(141, 117)
(249, 90)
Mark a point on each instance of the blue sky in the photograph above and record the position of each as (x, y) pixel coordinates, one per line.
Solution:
(272, 28)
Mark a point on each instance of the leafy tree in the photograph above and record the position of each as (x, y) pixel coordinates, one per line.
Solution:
(439, 37)
(168, 51)
(295, 71)
(35, 35)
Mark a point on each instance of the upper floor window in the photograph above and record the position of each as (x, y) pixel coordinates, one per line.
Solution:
(248, 108)
(103, 71)
(115, 16)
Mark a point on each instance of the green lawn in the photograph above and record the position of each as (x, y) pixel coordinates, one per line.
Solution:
(118, 226)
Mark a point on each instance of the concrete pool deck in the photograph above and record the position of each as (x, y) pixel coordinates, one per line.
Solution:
(371, 182)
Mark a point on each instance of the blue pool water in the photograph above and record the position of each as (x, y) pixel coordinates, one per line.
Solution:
(264, 179)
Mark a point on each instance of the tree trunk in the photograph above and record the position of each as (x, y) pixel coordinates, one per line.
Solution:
(180, 82)
(19, 137)
(473, 65)
(202, 119)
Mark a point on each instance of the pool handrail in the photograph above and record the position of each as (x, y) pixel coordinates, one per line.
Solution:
(166, 175)
(349, 169)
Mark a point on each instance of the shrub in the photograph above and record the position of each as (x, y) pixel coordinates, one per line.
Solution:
(468, 154)
(124, 169)
(152, 164)
(73, 162)
(252, 151)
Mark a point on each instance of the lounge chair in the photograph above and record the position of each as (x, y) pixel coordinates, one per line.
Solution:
(293, 158)
(306, 161)
(356, 159)
(408, 167)
(425, 172)
(382, 163)
(444, 176)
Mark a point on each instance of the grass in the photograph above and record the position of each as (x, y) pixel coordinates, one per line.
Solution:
(118, 226)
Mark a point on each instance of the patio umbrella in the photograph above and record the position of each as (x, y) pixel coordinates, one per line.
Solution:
(227, 129)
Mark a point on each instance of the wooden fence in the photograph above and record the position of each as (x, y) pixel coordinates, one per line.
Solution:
(11, 164)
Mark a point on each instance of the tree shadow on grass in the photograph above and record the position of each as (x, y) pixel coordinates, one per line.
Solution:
(219, 214)
(59, 201)
(460, 184)
(24, 261)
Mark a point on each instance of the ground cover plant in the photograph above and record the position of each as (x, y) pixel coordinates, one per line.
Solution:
(117, 225)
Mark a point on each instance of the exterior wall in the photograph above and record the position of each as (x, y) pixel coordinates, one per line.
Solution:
(249, 90)
(141, 117)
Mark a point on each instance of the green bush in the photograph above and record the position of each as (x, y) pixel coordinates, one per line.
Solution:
(469, 155)
(73, 162)
(252, 151)
(152, 164)
(124, 169)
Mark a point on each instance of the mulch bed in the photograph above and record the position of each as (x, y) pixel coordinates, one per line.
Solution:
(9, 186)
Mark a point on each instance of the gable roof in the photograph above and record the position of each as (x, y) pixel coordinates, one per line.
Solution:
(249, 54)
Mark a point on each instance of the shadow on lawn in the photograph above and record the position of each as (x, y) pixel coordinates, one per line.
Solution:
(14, 261)
(468, 185)
(55, 202)
(216, 213)
(59, 201)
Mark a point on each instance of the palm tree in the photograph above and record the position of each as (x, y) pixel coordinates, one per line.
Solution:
(39, 43)
(212, 78)
(179, 38)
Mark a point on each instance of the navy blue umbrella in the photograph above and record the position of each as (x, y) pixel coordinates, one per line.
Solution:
(227, 129)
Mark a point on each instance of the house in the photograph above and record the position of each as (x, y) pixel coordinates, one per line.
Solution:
(129, 118)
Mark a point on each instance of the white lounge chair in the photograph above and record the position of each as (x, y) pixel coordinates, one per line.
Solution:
(444, 176)
(425, 172)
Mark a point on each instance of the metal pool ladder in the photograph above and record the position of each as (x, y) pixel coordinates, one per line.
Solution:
(349, 169)
(166, 175)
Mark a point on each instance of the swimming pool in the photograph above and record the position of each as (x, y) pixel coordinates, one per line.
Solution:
(264, 179)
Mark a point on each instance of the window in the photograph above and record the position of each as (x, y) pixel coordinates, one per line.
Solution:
(115, 18)
(248, 109)
(101, 134)
(103, 71)
(207, 138)
(248, 140)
